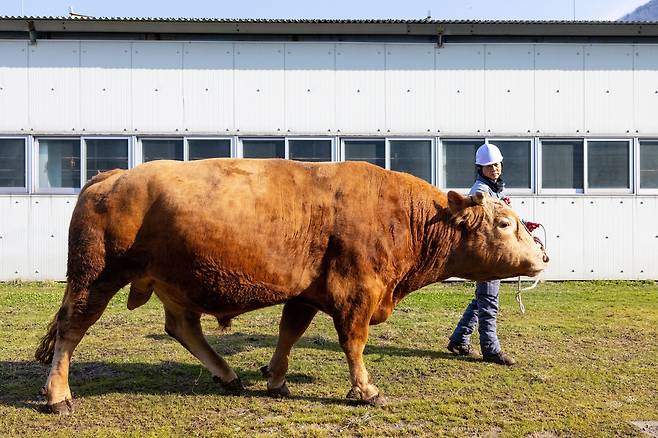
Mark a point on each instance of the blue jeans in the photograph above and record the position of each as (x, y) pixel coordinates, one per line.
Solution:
(482, 311)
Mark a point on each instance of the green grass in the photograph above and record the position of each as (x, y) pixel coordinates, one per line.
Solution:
(587, 352)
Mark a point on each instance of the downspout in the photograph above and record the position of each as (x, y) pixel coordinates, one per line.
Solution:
(32, 32)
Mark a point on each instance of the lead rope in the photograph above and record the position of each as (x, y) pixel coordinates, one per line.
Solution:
(520, 289)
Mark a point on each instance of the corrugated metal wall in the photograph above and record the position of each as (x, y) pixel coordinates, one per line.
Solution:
(317, 88)
(310, 88)
(208, 91)
(34, 236)
(13, 86)
(588, 237)
(559, 100)
(340, 89)
(105, 92)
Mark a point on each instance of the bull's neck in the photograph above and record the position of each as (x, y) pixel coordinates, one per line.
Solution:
(434, 240)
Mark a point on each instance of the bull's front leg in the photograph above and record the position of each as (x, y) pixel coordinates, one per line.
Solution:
(352, 328)
(295, 320)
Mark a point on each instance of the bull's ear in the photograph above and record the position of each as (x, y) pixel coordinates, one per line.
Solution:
(479, 198)
(461, 214)
(456, 202)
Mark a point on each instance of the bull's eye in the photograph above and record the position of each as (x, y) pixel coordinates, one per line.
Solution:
(504, 224)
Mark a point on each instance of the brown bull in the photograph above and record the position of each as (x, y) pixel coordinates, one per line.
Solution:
(223, 237)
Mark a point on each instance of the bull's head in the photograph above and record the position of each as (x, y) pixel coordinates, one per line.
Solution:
(494, 242)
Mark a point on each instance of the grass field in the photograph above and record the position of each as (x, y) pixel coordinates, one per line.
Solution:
(587, 352)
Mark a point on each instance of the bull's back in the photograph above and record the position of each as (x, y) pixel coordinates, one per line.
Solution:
(260, 225)
(230, 222)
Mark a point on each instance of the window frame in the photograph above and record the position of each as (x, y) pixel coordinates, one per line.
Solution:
(135, 157)
(186, 144)
(440, 161)
(26, 171)
(334, 152)
(441, 178)
(609, 191)
(533, 165)
(240, 146)
(433, 160)
(35, 170)
(540, 182)
(83, 151)
(365, 139)
(637, 144)
(139, 150)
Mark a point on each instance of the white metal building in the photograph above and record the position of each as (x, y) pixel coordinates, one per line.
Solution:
(573, 106)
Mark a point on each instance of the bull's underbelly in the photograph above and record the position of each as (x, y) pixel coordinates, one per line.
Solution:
(219, 273)
(220, 294)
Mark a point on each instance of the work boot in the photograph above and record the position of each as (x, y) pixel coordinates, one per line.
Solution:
(500, 358)
(461, 349)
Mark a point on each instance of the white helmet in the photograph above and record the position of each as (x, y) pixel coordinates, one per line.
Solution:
(488, 154)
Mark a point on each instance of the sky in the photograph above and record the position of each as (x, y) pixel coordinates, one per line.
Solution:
(340, 9)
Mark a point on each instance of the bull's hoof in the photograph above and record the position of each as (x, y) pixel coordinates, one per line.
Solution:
(279, 392)
(234, 387)
(43, 391)
(265, 371)
(377, 400)
(65, 407)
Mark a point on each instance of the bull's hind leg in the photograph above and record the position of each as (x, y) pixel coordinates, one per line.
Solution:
(295, 320)
(185, 326)
(80, 309)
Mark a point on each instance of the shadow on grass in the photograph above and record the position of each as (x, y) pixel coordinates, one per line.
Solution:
(234, 343)
(20, 380)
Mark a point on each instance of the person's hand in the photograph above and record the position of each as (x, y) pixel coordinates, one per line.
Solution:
(531, 226)
(507, 200)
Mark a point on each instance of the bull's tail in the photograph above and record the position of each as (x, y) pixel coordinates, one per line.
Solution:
(46, 348)
(85, 262)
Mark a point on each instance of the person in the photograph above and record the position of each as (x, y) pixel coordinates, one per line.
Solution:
(483, 310)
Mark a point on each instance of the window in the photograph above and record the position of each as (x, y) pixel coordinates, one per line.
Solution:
(309, 150)
(59, 163)
(200, 149)
(517, 164)
(162, 149)
(459, 162)
(649, 164)
(608, 164)
(372, 151)
(12, 163)
(106, 154)
(412, 156)
(266, 148)
(562, 164)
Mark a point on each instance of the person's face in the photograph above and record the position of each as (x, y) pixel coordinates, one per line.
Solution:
(493, 171)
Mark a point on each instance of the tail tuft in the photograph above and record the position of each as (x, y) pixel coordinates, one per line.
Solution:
(46, 348)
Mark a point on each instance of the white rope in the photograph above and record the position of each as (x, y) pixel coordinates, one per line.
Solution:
(520, 289)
